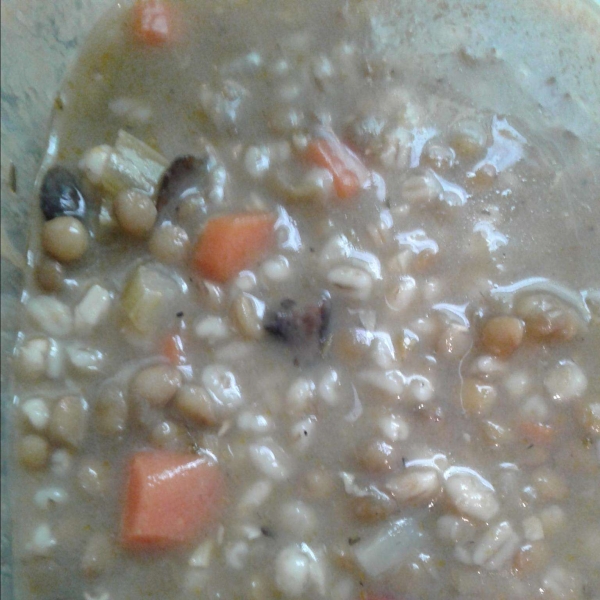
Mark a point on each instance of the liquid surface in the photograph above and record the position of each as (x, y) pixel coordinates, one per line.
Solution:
(398, 385)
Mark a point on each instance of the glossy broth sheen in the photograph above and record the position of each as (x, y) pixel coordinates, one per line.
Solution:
(429, 426)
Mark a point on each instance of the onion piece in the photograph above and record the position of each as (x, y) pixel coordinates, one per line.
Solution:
(388, 547)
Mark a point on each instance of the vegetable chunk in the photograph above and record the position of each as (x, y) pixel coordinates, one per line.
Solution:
(153, 22)
(232, 243)
(348, 172)
(170, 499)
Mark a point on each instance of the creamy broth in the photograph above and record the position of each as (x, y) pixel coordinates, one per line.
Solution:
(386, 375)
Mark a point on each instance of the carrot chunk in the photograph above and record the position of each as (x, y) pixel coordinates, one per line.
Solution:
(173, 349)
(539, 434)
(154, 22)
(170, 499)
(348, 172)
(232, 243)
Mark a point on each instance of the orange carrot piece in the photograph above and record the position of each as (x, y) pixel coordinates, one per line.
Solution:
(348, 172)
(174, 350)
(154, 22)
(170, 499)
(232, 243)
(539, 434)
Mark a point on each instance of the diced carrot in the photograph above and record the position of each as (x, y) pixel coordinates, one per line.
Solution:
(348, 172)
(170, 499)
(232, 243)
(174, 350)
(154, 22)
(537, 433)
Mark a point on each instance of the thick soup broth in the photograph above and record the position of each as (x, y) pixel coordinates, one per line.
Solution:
(313, 311)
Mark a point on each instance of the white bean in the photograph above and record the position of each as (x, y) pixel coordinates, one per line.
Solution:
(300, 396)
(260, 424)
(61, 462)
(565, 381)
(535, 408)
(517, 384)
(298, 518)
(97, 555)
(221, 384)
(157, 384)
(533, 529)
(291, 572)
(390, 382)
(32, 359)
(414, 486)
(471, 494)
(202, 555)
(94, 162)
(236, 555)
(68, 421)
(36, 412)
(353, 282)
(394, 427)
(402, 293)
(496, 547)
(85, 359)
(276, 269)
(255, 495)
(42, 541)
(328, 387)
(49, 497)
(270, 459)
(212, 329)
(454, 529)
(65, 238)
(420, 389)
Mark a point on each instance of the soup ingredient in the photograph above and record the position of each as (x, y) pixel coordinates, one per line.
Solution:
(173, 349)
(547, 319)
(65, 238)
(60, 195)
(135, 212)
(232, 243)
(185, 175)
(92, 309)
(539, 434)
(296, 326)
(145, 297)
(388, 547)
(49, 274)
(131, 164)
(33, 452)
(169, 244)
(170, 499)
(470, 494)
(153, 22)
(68, 421)
(156, 385)
(501, 336)
(349, 174)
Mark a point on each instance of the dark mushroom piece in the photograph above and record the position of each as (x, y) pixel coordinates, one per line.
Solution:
(297, 326)
(186, 175)
(61, 195)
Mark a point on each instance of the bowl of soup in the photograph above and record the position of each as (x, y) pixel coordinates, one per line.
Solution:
(301, 300)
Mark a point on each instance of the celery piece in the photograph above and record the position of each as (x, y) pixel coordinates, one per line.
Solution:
(145, 297)
(133, 164)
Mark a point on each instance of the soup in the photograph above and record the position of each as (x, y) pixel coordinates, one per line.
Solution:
(312, 313)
